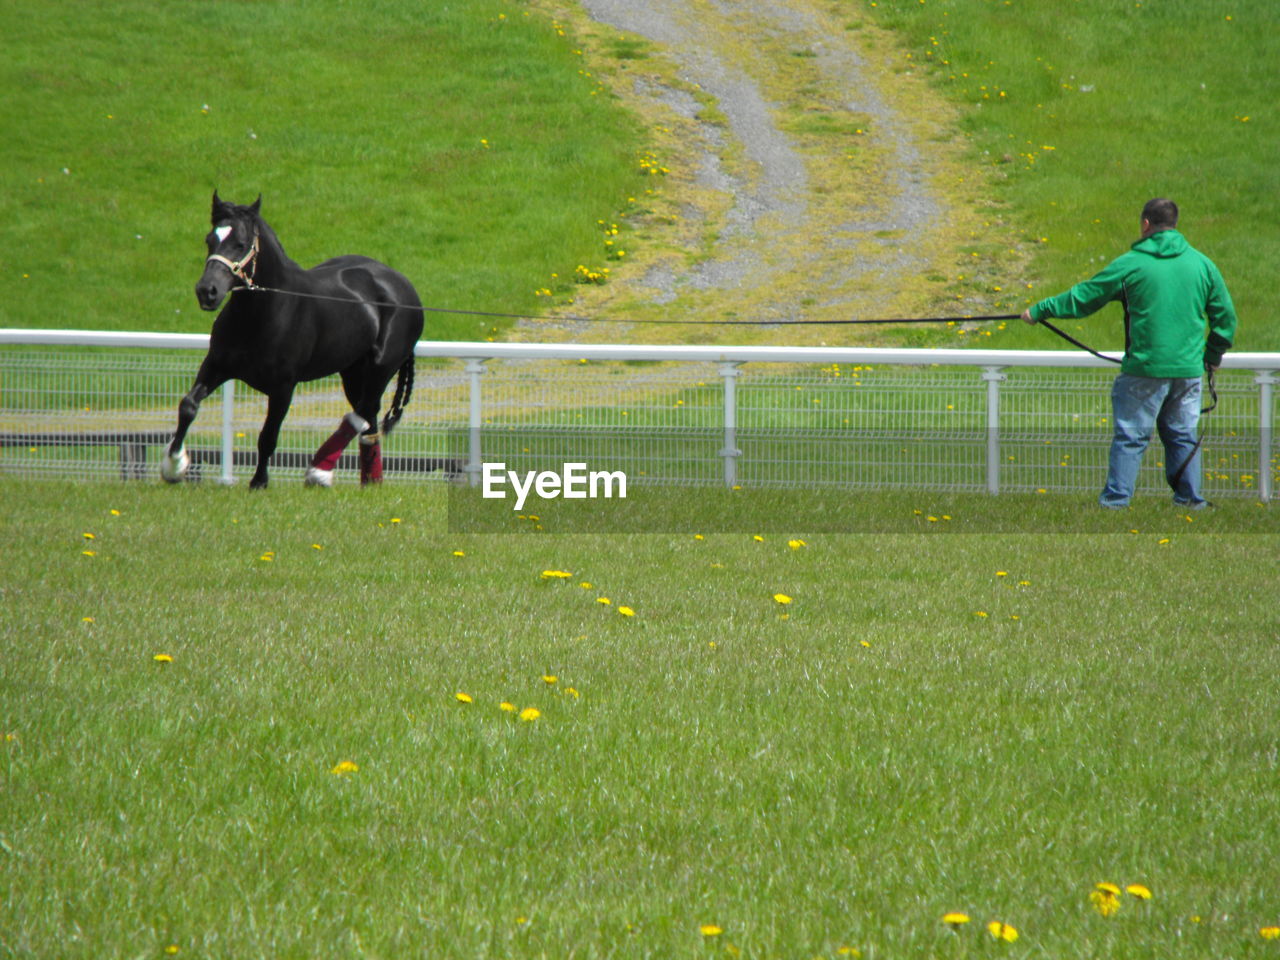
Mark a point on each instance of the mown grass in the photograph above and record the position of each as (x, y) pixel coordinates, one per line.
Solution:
(984, 723)
(1082, 111)
(457, 142)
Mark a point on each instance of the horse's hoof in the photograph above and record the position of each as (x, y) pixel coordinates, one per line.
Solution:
(318, 478)
(173, 467)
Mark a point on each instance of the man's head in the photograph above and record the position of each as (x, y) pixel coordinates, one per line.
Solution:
(1159, 214)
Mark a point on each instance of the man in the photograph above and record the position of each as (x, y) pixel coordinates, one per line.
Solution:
(1168, 290)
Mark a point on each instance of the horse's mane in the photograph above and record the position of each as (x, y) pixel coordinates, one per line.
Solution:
(270, 242)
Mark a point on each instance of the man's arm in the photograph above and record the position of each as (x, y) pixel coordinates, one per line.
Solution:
(1088, 296)
(1222, 320)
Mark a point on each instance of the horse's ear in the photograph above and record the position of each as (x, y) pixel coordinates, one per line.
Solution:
(219, 205)
(257, 204)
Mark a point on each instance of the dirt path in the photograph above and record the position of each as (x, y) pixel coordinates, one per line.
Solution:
(812, 174)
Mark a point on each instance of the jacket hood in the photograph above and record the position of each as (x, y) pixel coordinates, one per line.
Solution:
(1163, 244)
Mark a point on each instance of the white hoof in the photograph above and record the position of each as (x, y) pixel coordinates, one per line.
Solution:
(318, 478)
(173, 466)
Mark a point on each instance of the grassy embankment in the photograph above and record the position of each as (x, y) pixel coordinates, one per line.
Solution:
(1080, 112)
(457, 142)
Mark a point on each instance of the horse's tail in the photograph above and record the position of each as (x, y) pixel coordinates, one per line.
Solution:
(404, 390)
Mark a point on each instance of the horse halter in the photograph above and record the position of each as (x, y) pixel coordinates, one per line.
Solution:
(237, 267)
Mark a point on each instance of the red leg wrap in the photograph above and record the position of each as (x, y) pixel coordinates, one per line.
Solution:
(370, 459)
(326, 457)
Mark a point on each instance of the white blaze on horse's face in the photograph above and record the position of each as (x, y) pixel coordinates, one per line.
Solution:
(223, 232)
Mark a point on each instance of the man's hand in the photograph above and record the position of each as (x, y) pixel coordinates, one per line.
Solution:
(1026, 316)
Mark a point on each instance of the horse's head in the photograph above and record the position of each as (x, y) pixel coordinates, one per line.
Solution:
(233, 251)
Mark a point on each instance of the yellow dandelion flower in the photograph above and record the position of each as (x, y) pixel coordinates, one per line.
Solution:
(1002, 931)
(698, 536)
(796, 544)
(316, 546)
(1104, 902)
(88, 536)
(710, 930)
(571, 692)
(171, 949)
(556, 575)
(1139, 891)
(1269, 933)
(585, 585)
(507, 707)
(626, 611)
(86, 620)
(343, 768)
(88, 553)
(605, 600)
(459, 553)
(162, 658)
(395, 519)
(1110, 888)
(955, 920)
(757, 538)
(462, 697)
(1002, 573)
(782, 598)
(866, 643)
(980, 613)
(549, 679)
(530, 713)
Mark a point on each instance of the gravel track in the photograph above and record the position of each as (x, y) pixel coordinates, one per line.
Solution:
(768, 219)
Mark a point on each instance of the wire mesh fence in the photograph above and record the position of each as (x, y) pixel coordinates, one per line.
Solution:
(109, 412)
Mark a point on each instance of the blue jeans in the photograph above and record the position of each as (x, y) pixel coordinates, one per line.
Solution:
(1171, 405)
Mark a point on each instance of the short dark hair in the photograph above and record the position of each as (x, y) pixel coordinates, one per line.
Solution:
(1160, 212)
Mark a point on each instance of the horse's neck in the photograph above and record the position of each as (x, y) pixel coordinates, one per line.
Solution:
(275, 268)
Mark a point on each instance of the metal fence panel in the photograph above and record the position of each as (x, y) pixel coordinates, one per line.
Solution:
(98, 412)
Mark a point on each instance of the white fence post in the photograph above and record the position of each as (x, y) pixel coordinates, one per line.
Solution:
(994, 377)
(730, 451)
(228, 432)
(1265, 382)
(474, 367)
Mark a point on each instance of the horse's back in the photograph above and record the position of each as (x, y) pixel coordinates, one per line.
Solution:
(363, 275)
(384, 291)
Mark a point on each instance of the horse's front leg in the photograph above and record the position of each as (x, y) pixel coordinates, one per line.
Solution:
(174, 463)
(277, 406)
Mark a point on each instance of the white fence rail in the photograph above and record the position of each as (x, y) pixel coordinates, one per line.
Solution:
(945, 419)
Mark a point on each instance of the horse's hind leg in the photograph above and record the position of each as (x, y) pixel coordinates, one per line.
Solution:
(320, 473)
(370, 458)
(364, 387)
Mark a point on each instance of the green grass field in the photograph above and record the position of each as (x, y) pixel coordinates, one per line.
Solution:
(986, 724)
(230, 725)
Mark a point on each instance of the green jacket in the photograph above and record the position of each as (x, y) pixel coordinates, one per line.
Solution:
(1168, 289)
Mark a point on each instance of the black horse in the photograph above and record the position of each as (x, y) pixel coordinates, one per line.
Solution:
(350, 315)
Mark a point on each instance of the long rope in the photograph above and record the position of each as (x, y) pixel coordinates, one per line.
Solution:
(1072, 340)
(580, 319)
